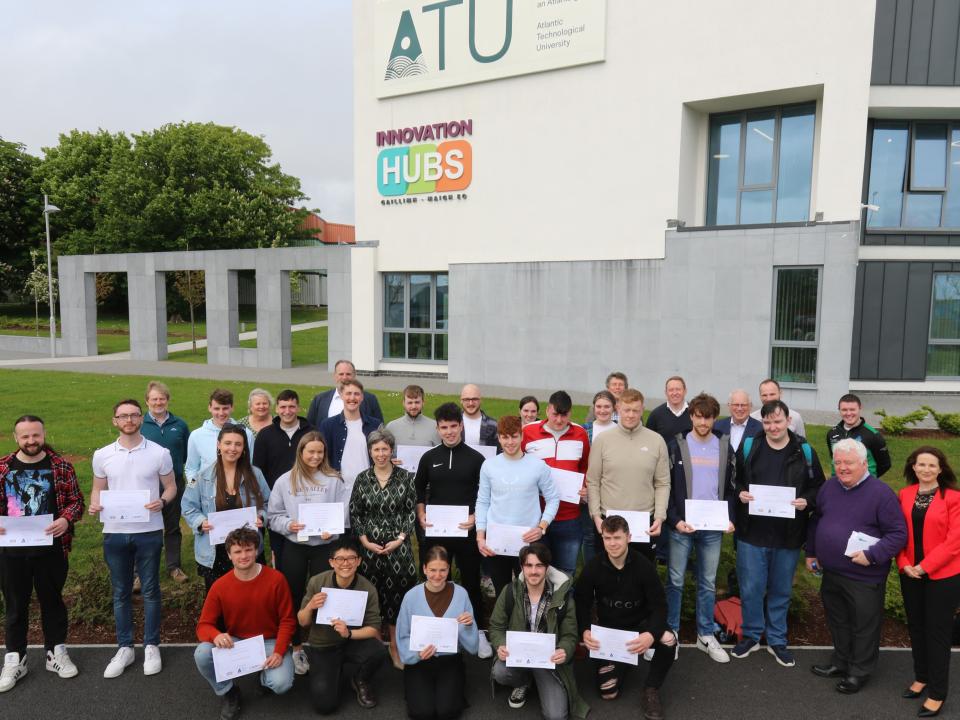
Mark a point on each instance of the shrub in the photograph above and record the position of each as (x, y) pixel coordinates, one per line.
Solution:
(948, 422)
(897, 424)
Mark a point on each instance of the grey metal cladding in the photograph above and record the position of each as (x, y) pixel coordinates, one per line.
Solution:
(915, 43)
(915, 239)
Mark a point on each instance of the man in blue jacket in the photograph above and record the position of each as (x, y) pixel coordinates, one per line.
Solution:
(346, 434)
(330, 402)
(740, 424)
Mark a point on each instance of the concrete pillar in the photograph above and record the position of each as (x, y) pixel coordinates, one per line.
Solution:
(147, 294)
(339, 307)
(223, 318)
(78, 307)
(273, 318)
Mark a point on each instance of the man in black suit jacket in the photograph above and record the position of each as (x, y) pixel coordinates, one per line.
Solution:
(320, 407)
(739, 425)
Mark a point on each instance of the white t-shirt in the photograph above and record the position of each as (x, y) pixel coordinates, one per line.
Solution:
(136, 469)
(355, 458)
(336, 404)
(471, 430)
(597, 429)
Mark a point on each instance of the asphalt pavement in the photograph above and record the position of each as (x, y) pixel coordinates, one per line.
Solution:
(752, 689)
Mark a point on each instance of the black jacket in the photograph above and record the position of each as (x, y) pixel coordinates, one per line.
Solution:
(662, 421)
(878, 457)
(449, 476)
(681, 476)
(627, 599)
(274, 452)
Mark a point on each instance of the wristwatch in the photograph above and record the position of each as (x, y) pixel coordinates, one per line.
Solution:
(543, 528)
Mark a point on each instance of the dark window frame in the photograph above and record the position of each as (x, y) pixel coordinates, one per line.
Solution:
(432, 331)
(808, 344)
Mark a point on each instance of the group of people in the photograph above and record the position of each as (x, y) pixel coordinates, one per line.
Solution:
(540, 499)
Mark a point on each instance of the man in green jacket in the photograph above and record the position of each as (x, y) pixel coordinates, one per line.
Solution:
(539, 600)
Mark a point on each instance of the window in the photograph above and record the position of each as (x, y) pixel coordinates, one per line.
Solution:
(761, 164)
(415, 316)
(796, 310)
(914, 175)
(943, 350)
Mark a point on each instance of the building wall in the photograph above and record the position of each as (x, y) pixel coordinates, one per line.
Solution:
(705, 311)
(915, 43)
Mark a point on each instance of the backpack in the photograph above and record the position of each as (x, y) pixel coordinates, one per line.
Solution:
(804, 446)
(728, 615)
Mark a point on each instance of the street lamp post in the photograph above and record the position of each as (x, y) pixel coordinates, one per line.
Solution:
(48, 210)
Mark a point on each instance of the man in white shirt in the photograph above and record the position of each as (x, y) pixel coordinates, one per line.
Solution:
(478, 427)
(770, 391)
(740, 424)
(330, 402)
(346, 434)
(134, 464)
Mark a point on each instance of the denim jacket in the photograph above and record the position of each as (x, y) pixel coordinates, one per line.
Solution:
(200, 499)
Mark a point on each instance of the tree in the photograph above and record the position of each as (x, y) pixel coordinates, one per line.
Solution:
(36, 286)
(21, 206)
(192, 287)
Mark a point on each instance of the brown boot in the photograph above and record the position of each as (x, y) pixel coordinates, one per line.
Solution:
(365, 695)
(652, 709)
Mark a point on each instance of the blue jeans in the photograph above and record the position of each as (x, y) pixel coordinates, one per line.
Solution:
(589, 529)
(564, 539)
(278, 680)
(123, 552)
(707, 543)
(765, 571)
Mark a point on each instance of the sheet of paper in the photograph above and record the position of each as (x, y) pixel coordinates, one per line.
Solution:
(506, 539)
(707, 514)
(569, 450)
(221, 523)
(124, 506)
(568, 484)
(244, 658)
(773, 501)
(613, 644)
(639, 522)
(347, 605)
(440, 632)
(859, 541)
(25, 530)
(543, 448)
(488, 451)
(320, 518)
(530, 650)
(409, 456)
(444, 520)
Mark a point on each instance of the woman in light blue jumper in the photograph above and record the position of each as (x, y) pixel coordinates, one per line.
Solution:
(434, 681)
(227, 484)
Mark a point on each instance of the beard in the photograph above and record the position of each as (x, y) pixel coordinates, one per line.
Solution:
(32, 450)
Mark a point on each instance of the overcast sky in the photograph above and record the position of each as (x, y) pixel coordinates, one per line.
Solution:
(281, 69)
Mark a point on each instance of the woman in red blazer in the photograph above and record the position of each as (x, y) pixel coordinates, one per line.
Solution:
(930, 571)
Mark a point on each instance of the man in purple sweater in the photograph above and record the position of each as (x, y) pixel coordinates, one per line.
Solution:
(856, 530)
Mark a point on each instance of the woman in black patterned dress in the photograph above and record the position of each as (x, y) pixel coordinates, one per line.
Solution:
(383, 512)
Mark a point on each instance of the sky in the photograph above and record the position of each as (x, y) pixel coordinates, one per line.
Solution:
(281, 69)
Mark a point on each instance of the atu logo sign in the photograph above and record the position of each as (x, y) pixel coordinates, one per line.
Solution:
(441, 44)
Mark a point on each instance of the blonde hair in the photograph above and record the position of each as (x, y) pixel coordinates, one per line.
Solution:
(301, 475)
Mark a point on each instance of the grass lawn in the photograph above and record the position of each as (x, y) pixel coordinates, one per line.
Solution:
(309, 348)
(77, 410)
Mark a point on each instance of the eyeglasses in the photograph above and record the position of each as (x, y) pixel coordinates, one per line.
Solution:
(466, 400)
(127, 417)
(345, 560)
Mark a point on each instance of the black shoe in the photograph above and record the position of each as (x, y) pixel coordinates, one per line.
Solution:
(927, 712)
(826, 671)
(910, 694)
(365, 695)
(230, 705)
(851, 684)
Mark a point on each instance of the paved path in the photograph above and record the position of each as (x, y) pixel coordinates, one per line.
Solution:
(697, 688)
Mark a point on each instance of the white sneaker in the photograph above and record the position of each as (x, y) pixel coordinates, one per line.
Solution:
(120, 662)
(151, 660)
(487, 587)
(13, 669)
(59, 662)
(709, 645)
(485, 650)
(301, 666)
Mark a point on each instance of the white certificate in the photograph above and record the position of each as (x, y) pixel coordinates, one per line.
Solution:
(568, 484)
(569, 450)
(25, 530)
(347, 605)
(320, 518)
(506, 539)
(613, 644)
(707, 514)
(639, 522)
(544, 448)
(221, 523)
(245, 657)
(773, 501)
(409, 456)
(530, 650)
(859, 541)
(488, 451)
(444, 520)
(440, 632)
(124, 506)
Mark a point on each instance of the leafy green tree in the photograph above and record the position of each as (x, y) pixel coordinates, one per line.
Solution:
(36, 285)
(21, 206)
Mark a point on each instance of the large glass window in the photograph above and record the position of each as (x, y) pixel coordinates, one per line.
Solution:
(796, 306)
(914, 175)
(415, 313)
(943, 351)
(761, 165)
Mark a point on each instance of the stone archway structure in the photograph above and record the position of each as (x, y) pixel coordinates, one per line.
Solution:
(148, 305)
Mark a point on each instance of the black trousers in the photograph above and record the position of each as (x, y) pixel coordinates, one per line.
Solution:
(299, 563)
(358, 659)
(434, 688)
(19, 577)
(463, 552)
(502, 569)
(930, 605)
(172, 537)
(854, 612)
(663, 657)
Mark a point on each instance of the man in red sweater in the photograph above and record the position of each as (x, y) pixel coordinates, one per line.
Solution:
(252, 600)
(564, 446)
